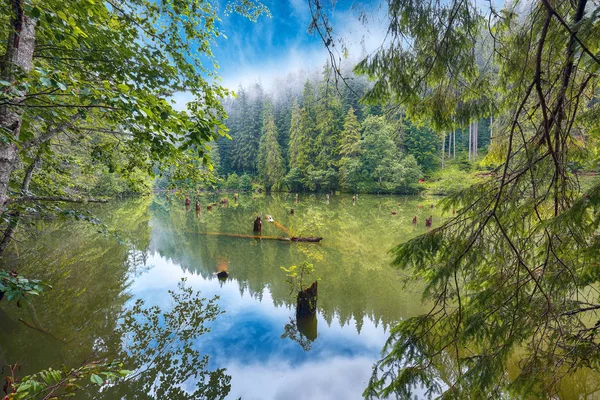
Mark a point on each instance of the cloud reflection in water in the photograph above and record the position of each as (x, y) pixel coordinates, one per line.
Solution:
(247, 341)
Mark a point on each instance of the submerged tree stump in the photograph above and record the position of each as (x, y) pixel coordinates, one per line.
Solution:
(258, 224)
(306, 301)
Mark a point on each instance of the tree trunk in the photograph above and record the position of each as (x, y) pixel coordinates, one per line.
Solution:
(14, 220)
(491, 127)
(470, 137)
(454, 142)
(476, 139)
(443, 148)
(18, 59)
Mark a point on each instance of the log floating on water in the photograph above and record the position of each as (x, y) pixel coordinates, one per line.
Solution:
(306, 239)
(279, 238)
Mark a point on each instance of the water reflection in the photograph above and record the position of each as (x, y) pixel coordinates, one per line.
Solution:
(247, 341)
(96, 277)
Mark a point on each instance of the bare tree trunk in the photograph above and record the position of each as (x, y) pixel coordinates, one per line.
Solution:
(475, 139)
(15, 219)
(18, 59)
(470, 137)
(443, 148)
(454, 140)
(491, 127)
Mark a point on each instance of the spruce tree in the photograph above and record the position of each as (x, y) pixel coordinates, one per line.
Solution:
(271, 167)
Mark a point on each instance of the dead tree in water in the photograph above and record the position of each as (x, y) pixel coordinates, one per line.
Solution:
(258, 224)
(306, 301)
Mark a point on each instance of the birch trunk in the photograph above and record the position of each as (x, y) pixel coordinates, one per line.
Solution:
(17, 60)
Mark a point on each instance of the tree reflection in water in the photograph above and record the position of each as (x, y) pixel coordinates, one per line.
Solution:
(302, 331)
(159, 345)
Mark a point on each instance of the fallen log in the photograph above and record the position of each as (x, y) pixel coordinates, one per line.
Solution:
(306, 239)
(279, 238)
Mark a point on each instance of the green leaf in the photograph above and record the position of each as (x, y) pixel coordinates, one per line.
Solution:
(36, 12)
(96, 379)
(123, 87)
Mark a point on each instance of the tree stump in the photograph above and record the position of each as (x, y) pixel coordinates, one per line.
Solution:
(258, 224)
(306, 301)
(222, 275)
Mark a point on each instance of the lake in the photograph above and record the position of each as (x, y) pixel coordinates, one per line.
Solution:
(152, 243)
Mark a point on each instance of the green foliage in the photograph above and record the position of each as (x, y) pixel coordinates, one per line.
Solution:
(52, 383)
(350, 136)
(160, 344)
(246, 182)
(318, 132)
(300, 277)
(233, 181)
(157, 346)
(513, 276)
(422, 143)
(17, 288)
(271, 167)
(99, 118)
(450, 180)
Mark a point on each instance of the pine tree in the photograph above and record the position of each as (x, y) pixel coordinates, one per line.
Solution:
(329, 120)
(271, 167)
(350, 136)
(307, 150)
(295, 135)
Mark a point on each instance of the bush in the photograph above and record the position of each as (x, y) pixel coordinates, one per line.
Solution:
(233, 181)
(246, 182)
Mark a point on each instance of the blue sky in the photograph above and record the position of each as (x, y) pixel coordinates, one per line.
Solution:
(273, 47)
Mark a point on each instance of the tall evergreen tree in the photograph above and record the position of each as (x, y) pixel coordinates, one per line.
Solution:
(295, 135)
(306, 148)
(271, 167)
(349, 150)
(350, 136)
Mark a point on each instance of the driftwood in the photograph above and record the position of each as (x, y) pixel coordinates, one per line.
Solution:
(306, 239)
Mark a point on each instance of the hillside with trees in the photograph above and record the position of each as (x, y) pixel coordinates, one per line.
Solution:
(315, 134)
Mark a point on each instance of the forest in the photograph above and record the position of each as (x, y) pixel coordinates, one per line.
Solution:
(149, 249)
(317, 135)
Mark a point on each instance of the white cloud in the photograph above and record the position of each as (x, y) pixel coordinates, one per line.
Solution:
(356, 37)
(337, 378)
(295, 61)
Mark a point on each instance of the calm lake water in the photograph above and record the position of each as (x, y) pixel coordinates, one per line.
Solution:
(95, 276)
